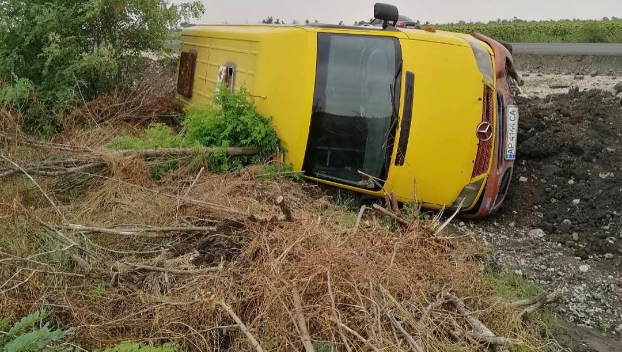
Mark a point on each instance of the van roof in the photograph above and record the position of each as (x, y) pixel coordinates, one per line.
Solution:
(259, 30)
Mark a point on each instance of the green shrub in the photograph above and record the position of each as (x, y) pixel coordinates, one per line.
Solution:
(230, 121)
(54, 54)
(34, 333)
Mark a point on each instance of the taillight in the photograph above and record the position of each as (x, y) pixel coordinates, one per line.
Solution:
(400, 25)
(484, 148)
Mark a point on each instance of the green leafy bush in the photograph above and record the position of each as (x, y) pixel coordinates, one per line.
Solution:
(28, 334)
(230, 121)
(54, 54)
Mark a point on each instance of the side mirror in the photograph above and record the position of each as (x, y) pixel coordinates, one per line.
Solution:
(386, 13)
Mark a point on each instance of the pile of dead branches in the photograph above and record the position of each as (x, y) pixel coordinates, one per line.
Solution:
(141, 106)
(221, 262)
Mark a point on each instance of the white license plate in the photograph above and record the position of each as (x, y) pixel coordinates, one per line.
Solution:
(511, 136)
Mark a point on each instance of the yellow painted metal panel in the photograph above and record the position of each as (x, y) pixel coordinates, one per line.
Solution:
(277, 64)
(447, 108)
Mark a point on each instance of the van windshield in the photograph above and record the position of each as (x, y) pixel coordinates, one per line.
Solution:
(353, 122)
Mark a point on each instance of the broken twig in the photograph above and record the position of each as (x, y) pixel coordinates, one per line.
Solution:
(535, 303)
(302, 322)
(482, 331)
(140, 267)
(243, 327)
(151, 232)
(154, 153)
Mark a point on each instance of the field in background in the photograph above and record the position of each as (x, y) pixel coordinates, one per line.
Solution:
(546, 32)
(605, 31)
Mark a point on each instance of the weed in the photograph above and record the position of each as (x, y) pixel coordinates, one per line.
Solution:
(239, 240)
(231, 121)
(157, 136)
(159, 168)
(29, 335)
(510, 284)
(273, 172)
(345, 198)
(322, 346)
(604, 327)
(99, 290)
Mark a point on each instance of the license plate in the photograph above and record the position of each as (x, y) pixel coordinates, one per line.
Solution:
(511, 136)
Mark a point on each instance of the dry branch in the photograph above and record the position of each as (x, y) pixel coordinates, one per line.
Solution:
(546, 297)
(287, 212)
(151, 232)
(336, 313)
(358, 219)
(411, 340)
(243, 327)
(140, 267)
(302, 322)
(442, 227)
(482, 331)
(37, 185)
(161, 152)
(356, 334)
(194, 182)
(534, 303)
(502, 342)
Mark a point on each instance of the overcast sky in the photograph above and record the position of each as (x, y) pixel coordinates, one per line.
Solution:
(435, 11)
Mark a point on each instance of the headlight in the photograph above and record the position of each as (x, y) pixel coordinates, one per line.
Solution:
(483, 59)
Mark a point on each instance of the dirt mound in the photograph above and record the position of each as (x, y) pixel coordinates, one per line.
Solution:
(568, 180)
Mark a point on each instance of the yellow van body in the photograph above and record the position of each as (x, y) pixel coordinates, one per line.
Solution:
(279, 66)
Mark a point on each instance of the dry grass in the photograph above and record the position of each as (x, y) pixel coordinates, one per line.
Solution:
(375, 275)
(356, 288)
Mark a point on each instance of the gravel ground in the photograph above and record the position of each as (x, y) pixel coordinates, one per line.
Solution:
(561, 225)
(542, 84)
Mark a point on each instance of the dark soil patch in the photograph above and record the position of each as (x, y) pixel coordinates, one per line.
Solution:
(569, 175)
